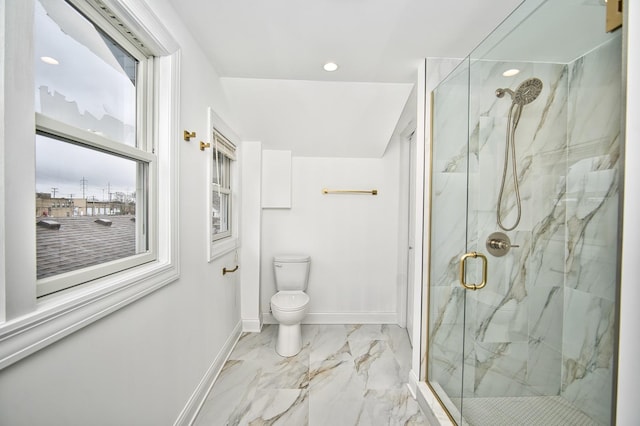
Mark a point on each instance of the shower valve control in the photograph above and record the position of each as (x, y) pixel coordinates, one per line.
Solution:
(499, 244)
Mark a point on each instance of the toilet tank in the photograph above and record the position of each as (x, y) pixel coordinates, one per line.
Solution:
(291, 271)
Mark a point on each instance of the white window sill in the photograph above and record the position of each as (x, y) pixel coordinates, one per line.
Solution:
(223, 247)
(58, 316)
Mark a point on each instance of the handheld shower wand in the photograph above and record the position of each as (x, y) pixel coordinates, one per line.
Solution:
(524, 94)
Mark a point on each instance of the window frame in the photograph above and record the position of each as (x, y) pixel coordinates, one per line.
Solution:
(143, 151)
(222, 243)
(52, 128)
(27, 323)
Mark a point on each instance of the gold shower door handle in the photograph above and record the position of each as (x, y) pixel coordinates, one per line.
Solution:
(463, 270)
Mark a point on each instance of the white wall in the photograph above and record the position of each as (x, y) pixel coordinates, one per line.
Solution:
(403, 132)
(628, 410)
(251, 223)
(352, 239)
(141, 364)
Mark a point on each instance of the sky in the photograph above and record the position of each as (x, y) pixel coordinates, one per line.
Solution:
(63, 166)
(89, 89)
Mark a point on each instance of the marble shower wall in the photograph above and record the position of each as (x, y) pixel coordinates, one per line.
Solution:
(514, 324)
(592, 196)
(544, 324)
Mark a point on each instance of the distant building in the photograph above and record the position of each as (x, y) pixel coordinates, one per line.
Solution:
(47, 206)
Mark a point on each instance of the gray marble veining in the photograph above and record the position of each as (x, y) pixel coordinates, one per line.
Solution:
(344, 375)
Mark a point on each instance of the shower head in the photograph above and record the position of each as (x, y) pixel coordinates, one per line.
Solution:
(528, 91)
(525, 93)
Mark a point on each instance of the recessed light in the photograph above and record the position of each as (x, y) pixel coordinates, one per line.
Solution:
(49, 60)
(511, 72)
(330, 66)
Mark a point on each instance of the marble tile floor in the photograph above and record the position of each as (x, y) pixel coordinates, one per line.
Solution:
(344, 375)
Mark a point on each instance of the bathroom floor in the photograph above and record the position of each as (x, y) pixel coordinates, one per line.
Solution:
(345, 375)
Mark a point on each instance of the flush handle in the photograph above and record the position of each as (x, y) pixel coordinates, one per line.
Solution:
(463, 270)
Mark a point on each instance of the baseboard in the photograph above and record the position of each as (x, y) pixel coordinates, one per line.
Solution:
(251, 326)
(413, 383)
(343, 318)
(195, 402)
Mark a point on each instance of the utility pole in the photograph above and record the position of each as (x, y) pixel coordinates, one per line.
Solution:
(84, 182)
(54, 190)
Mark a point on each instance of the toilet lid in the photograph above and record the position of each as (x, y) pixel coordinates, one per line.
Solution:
(291, 258)
(289, 300)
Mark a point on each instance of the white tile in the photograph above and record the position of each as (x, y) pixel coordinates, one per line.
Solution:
(344, 375)
(278, 407)
(232, 393)
(376, 365)
(390, 407)
(336, 394)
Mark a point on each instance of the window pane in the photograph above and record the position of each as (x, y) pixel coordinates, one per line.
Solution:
(217, 168)
(225, 173)
(75, 186)
(219, 213)
(221, 170)
(82, 77)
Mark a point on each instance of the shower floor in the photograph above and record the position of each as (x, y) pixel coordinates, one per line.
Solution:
(538, 410)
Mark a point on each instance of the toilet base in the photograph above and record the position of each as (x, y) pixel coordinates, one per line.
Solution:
(289, 340)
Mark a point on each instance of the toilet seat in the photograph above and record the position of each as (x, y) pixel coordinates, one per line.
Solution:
(289, 301)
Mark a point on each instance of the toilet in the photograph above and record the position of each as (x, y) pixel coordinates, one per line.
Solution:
(289, 304)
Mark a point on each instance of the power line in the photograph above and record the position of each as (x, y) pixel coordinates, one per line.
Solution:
(84, 182)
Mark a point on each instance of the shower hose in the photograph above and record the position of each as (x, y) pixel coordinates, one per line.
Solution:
(512, 124)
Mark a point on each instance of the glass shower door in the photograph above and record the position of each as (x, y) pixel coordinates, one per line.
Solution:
(527, 336)
(458, 265)
(449, 189)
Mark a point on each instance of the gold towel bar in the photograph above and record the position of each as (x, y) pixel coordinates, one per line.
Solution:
(349, 191)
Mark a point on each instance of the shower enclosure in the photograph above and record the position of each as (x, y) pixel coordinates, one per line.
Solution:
(522, 330)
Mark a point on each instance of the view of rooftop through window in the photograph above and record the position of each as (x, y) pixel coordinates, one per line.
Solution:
(85, 86)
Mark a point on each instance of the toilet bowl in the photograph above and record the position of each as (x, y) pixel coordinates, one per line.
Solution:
(289, 304)
(289, 308)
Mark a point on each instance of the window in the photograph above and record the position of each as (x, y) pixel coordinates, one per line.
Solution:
(223, 155)
(105, 114)
(223, 216)
(93, 98)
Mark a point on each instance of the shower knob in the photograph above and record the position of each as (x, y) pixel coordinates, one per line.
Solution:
(499, 244)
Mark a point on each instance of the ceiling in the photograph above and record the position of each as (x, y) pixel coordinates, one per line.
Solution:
(371, 40)
(378, 42)
(318, 118)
